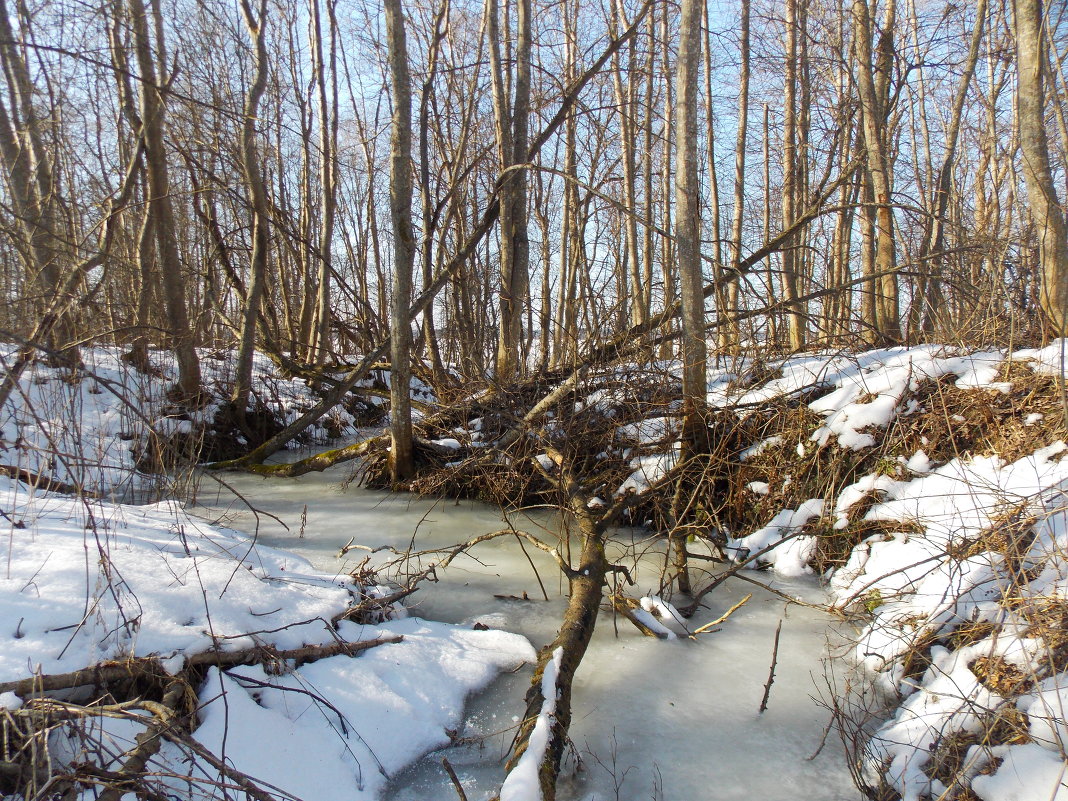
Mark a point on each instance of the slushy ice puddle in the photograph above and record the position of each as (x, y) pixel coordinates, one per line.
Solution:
(652, 719)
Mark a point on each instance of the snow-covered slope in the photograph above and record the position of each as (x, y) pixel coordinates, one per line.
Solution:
(100, 427)
(88, 582)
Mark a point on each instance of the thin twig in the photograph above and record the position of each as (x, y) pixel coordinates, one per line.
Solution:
(721, 618)
(454, 778)
(771, 672)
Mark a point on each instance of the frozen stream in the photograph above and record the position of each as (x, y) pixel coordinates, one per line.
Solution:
(652, 720)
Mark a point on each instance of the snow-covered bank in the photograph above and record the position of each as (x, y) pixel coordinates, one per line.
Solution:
(965, 576)
(101, 427)
(85, 583)
(926, 486)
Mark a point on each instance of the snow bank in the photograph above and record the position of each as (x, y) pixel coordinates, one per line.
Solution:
(965, 576)
(90, 428)
(84, 582)
(990, 560)
(521, 783)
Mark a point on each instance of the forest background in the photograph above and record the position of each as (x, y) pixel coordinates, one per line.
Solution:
(212, 175)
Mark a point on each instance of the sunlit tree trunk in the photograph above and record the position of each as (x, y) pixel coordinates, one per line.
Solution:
(1041, 192)
(161, 208)
(688, 238)
(33, 185)
(327, 100)
(730, 336)
(256, 22)
(401, 456)
(872, 78)
(667, 254)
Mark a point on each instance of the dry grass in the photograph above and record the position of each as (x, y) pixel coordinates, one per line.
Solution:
(949, 762)
(1001, 676)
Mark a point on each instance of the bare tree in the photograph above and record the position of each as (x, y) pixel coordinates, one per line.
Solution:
(401, 455)
(688, 238)
(250, 162)
(160, 206)
(1041, 192)
(872, 77)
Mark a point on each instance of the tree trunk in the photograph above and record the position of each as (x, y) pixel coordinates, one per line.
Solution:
(928, 304)
(401, 457)
(873, 115)
(327, 175)
(586, 584)
(730, 338)
(250, 163)
(162, 210)
(790, 254)
(1041, 192)
(32, 182)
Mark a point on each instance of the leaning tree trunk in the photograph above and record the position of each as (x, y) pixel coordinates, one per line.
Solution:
(546, 715)
(250, 162)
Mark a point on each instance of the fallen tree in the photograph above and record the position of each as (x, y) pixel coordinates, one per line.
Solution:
(138, 689)
(629, 344)
(485, 224)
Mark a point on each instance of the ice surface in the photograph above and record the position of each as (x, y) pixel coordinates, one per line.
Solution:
(680, 716)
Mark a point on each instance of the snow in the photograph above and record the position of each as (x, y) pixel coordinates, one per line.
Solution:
(1027, 773)
(1046, 708)
(650, 430)
(793, 556)
(10, 701)
(386, 708)
(648, 470)
(919, 591)
(869, 397)
(1050, 360)
(91, 429)
(84, 582)
(521, 783)
(660, 616)
(760, 447)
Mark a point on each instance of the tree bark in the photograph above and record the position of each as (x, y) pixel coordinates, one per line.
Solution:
(162, 209)
(327, 174)
(401, 457)
(885, 326)
(250, 163)
(790, 257)
(1041, 192)
(730, 337)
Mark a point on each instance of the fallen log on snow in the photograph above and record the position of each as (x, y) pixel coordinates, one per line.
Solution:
(129, 669)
